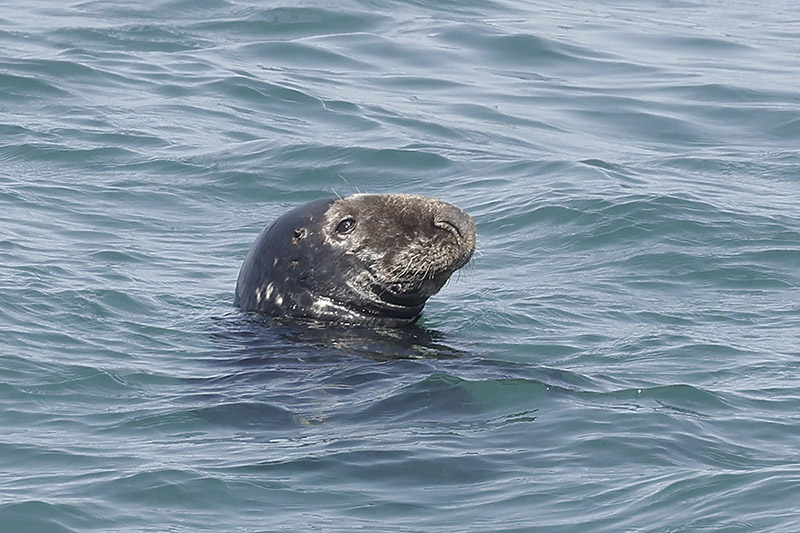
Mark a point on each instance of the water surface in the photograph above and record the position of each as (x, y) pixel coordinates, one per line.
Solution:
(621, 354)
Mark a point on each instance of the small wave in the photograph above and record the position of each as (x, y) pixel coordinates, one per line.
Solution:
(30, 515)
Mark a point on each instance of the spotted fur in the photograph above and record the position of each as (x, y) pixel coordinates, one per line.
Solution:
(364, 259)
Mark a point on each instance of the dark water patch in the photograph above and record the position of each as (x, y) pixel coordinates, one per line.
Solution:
(389, 56)
(716, 93)
(487, 114)
(25, 88)
(166, 487)
(703, 45)
(689, 400)
(639, 126)
(10, 130)
(303, 55)
(787, 128)
(752, 278)
(193, 10)
(63, 72)
(115, 302)
(761, 256)
(44, 516)
(251, 415)
(55, 153)
(259, 344)
(517, 54)
(130, 38)
(444, 10)
(422, 126)
(534, 50)
(292, 23)
(427, 395)
(45, 458)
(256, 91)
(229, 415)
(117, 256)
(513, 50)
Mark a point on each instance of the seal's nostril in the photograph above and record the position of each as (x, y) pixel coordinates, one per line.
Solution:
(449, 226)
(451, 218)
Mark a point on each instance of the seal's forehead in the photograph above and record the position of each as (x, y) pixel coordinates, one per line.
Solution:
(394, 201)
(380, 209)
(300, 215)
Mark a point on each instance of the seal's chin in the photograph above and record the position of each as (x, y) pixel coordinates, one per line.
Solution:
(397, 302)
(379, 305)
(410, 293)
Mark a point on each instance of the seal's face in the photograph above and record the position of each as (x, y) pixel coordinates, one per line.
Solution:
(365, 259)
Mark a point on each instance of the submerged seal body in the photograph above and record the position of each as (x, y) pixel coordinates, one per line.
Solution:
(365, 259)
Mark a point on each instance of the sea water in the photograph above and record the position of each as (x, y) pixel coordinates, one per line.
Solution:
(623, 353)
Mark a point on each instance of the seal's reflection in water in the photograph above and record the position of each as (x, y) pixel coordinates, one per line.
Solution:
(310, 372)
(265, 336)
(288, 375)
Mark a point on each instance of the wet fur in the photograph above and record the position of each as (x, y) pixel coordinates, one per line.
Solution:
(400, 251)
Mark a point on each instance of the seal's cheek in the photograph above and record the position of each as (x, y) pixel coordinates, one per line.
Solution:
(305, 279)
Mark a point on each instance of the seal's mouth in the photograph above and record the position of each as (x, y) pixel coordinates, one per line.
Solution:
(397, 294)
(410, 293)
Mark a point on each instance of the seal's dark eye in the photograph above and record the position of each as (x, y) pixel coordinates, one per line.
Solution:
(346, 226)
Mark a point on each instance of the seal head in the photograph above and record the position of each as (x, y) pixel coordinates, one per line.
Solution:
(365, 259)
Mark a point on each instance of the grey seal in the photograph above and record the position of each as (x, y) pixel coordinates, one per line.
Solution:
(367, 259)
